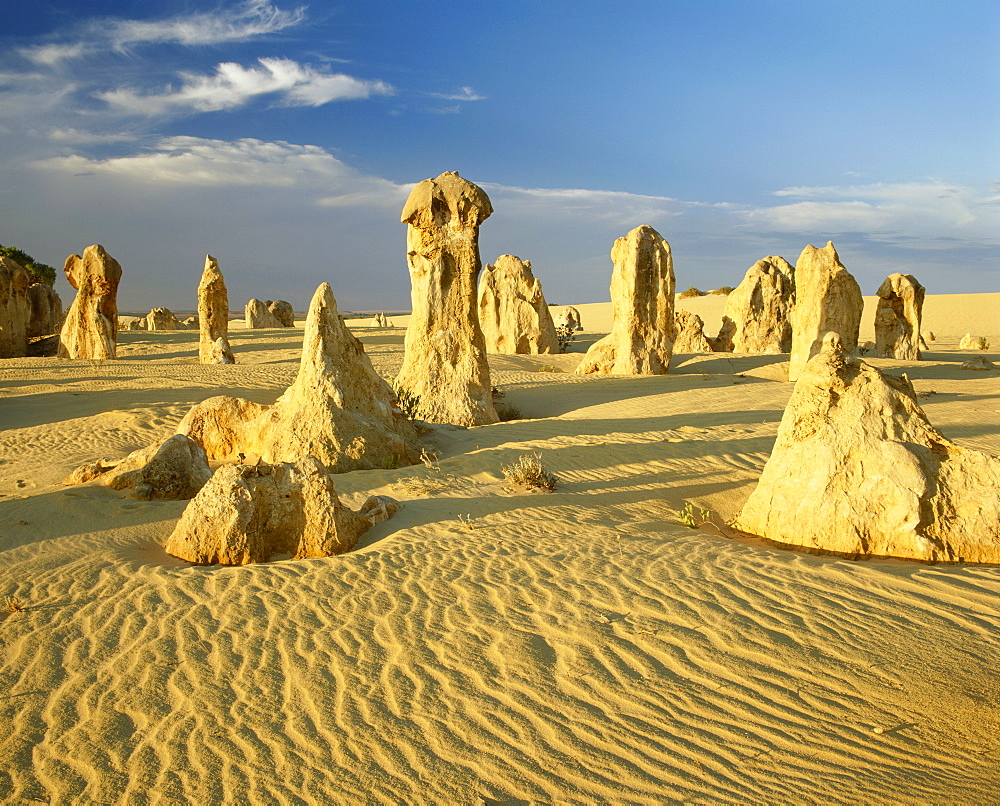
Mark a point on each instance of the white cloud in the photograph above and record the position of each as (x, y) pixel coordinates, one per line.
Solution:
(916, 214)
(233, 85)
(246, 21)
(463, 94)
(81, 137)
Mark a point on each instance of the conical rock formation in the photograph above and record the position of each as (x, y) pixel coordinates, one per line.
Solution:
(642, 298)
(444, 362)
(213, 316)
(857, 469)
(90, 329)
(757, 318)
(827, 298)
(247, 514)
(897, 318)
(512, 311)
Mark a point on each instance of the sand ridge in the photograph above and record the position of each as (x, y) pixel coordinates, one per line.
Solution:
(580, 646)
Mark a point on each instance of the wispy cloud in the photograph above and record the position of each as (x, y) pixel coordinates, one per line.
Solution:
(243, 22)
(463, 94)
(82, 137)
(233, 85)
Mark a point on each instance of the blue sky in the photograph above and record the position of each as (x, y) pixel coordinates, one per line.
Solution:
(284, 137)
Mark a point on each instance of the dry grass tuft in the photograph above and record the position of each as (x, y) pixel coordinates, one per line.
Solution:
(13, 604)
(529, 472)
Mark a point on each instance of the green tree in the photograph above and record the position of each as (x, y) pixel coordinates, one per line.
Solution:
(42, 272)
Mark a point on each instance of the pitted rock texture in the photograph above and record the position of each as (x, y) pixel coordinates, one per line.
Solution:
(90, 330)
(512, 311)
(897, 318)
(757, 318)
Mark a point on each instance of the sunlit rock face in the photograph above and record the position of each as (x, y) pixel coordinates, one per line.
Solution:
(213, 316)
(512, 310)
(897, 317)
(757, 318)
(90, 329)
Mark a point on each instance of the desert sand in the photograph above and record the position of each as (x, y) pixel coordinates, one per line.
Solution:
(487, 644)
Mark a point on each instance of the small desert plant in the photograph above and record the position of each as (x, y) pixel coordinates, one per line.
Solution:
(13, 604)
(982, 343)
(726, 289)
(507, 412)
(564, 336)
(692, 292)
(528, 471)
(497, 393)
(435, 480)
(467, 522)
(408, 402)
(547, 368)
(688, 517)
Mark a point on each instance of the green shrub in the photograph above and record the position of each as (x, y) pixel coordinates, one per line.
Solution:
(692, 292)
(42, 272)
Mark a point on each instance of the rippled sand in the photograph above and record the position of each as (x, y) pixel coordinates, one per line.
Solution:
(487, 644)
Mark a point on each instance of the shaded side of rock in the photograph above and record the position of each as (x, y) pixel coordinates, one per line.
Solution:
(283, 312)
(827, 298)
(444, 361)
(897, 317)
(250, 514)
(90, 330)
(642, 298)
(512, 310)
(857, 469)
(46, 311)
(15, 309)
(757, 317)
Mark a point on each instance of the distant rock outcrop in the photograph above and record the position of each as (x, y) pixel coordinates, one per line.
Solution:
(827, 298)
(213, 316)
(251, 513)
(46, 311)
(338, 410)
(380, 320)
(978, 364)
(131, 322)
(512, 310)
(566, 316)
(897, 318)
(161, 319)
(857, 469)
(444, 362)
(15, 309)
(757, 315)
(259, 316)
(90, 329)
(690, 333)
(282, 311)
(642, 298)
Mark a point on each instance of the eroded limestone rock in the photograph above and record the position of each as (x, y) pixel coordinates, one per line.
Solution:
(90, 329)
(338, 409)
(248, 514)
(160, 319)
(642, 298)
(757, 318)
(15, 309)
(213, 316)
(512, 310)
(283, 312)
(978, 364)
(827, 298)
(858, 469)
(566, 316)
(897, 318)
(690, 333)
(258, 315)
(444, 362)
(46, 310)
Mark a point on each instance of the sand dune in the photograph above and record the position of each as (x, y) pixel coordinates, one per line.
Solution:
(580, 646)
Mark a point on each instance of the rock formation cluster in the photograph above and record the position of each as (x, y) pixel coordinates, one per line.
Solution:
(90, 329)
(642, 298)
(15, 308)
(259, 316)
(444, 360)
(512, 311)
(827, 298)
(690, 331)
(897, 318)
(757, 318)
(161, 319)
(338, 410)
(213, 316)
(250, 513)
(857, 469)
(381, 320)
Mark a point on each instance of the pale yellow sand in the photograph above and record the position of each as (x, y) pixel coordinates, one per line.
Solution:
(574, 647)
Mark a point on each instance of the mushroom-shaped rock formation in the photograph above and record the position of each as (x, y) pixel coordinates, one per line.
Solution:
(827, 298)
(757, 315)
(512, 310)
(90, 329)
(897, 317)
(213, 316)
(15, 309)
(690, 333)
(857, 469)
(338, 409)
(250, 513)
(444, 360)
(642, 298)
(258, 316)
